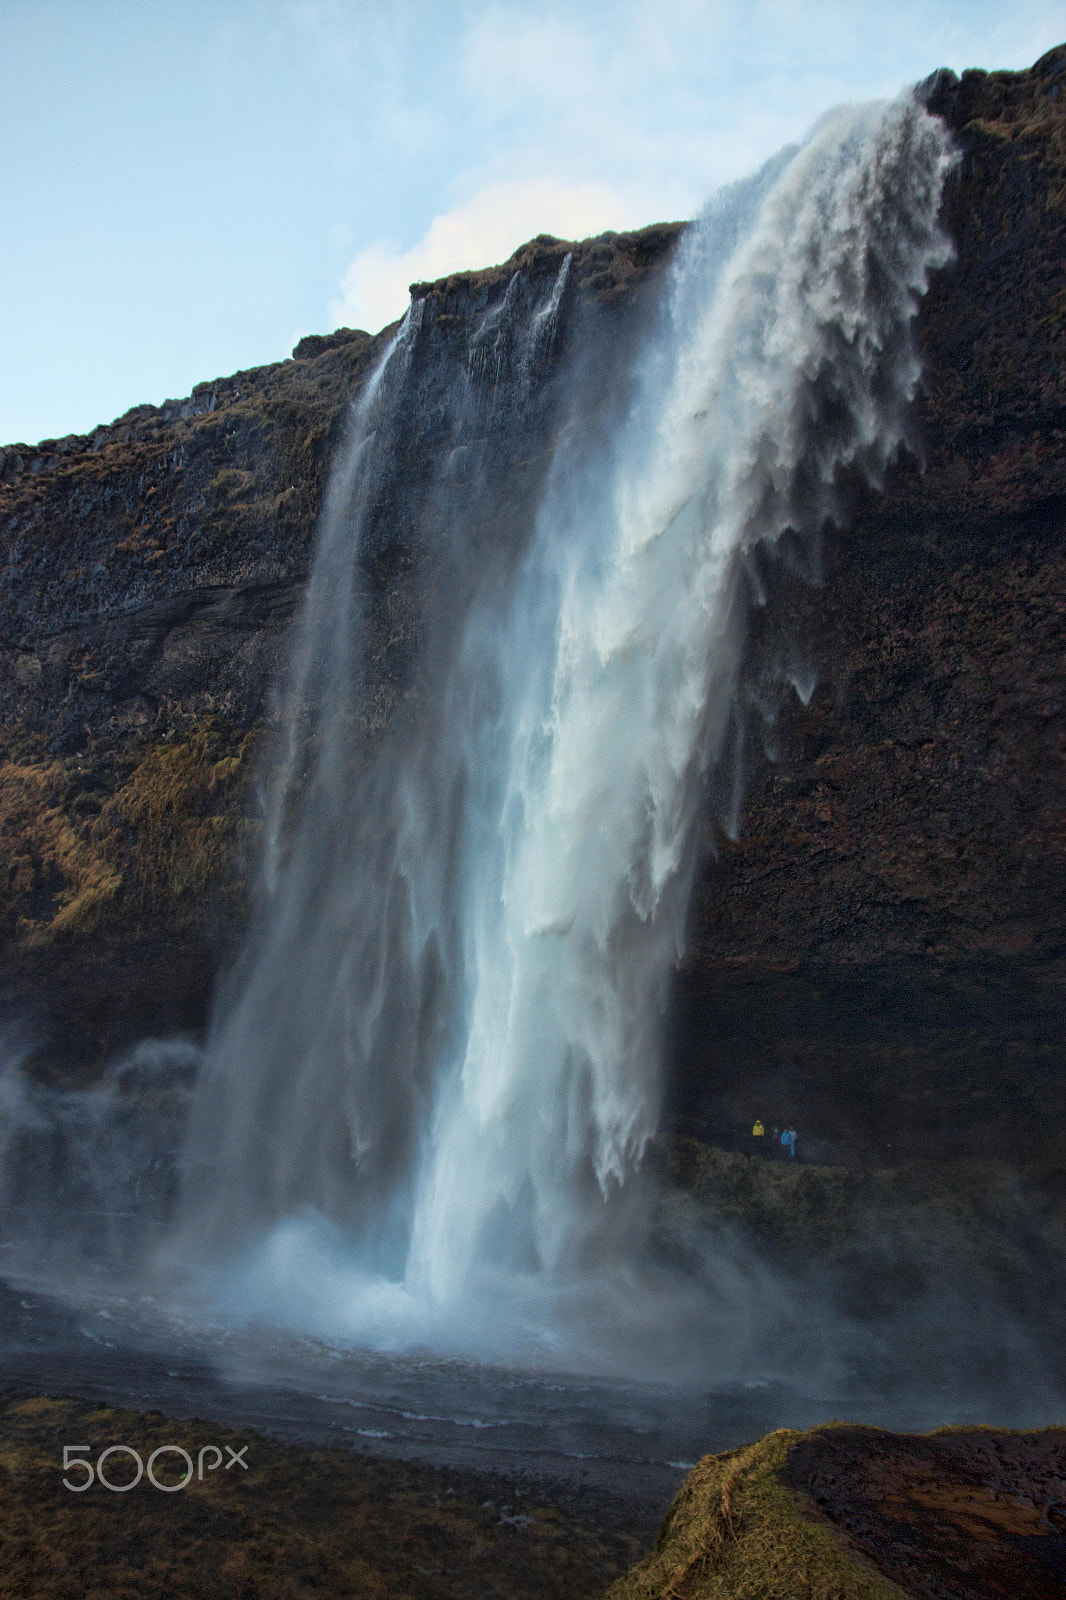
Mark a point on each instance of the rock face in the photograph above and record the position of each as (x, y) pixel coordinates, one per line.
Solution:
(882, 946)
(902, 859)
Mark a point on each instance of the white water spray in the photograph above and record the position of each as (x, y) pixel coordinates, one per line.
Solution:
(444, 1047)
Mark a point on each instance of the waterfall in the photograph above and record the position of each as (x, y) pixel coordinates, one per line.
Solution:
(513, 693)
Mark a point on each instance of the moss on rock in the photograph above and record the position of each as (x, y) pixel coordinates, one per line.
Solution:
(158, 831)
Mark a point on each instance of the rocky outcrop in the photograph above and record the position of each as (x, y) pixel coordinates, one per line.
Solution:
(883, 941)
(917, 805)
(865, 1514)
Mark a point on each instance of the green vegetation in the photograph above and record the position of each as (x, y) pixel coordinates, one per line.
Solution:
(230, 484)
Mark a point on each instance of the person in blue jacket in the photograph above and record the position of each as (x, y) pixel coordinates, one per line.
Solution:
(788, 1139)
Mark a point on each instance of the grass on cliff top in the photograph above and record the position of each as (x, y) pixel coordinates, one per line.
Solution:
(735, 1532)
(298, 1523)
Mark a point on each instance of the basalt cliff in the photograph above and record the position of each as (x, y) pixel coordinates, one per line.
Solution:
(878, 954)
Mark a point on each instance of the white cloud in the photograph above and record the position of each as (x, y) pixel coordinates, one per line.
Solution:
(481, 231)
(664, 103)
(613, 114)
(510, 59)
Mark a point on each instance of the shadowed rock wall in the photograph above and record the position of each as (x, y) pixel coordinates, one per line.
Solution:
(880, 953)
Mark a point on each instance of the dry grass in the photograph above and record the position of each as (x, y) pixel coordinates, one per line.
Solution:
(299, 1523)
(174, 810)
(734, 1532)
(55, 877)
(158, 834)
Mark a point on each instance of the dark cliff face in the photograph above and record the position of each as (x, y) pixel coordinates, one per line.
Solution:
(917, 805)
(897, 886)
(901, 862)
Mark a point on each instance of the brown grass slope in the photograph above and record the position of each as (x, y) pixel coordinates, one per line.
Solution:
(854, 1513)
(297, 1524)
(735, 1532)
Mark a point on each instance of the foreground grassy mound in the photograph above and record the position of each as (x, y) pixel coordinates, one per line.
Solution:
(736, 1531)
(854, 1513)
(289, 1523)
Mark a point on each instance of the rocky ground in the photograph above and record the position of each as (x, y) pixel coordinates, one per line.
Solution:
(837, 1513)
(962, 1512)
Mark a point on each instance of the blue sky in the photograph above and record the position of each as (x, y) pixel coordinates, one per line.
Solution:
(187, 188)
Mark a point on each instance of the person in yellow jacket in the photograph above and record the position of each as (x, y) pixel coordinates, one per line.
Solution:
(758, 1132)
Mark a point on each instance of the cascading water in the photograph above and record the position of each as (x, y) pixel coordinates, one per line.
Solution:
(438, 1067)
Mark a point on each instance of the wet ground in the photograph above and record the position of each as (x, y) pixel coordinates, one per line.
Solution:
(615, 1448)
(620, 1445)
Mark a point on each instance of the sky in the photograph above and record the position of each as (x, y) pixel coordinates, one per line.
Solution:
(187, 189)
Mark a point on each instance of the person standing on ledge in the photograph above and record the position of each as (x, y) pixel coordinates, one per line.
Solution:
(788, 1139)
(758, 1132)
